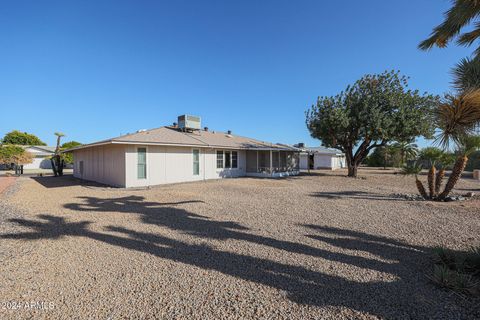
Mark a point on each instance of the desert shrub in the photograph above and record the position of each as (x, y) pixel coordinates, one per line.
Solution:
(459, 271)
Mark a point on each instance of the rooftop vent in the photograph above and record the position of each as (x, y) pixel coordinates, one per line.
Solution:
(188, 122)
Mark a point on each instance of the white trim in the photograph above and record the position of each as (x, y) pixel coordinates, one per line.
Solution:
(223, 158)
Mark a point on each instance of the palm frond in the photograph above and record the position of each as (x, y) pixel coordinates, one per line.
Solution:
(466, 74)
(458, 16)
(468, 38)
(457, 116)
(412, 169)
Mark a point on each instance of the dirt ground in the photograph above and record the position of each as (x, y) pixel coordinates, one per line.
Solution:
(318, 246)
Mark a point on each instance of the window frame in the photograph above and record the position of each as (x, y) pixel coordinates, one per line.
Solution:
(145, 164)
(217, 159)
(195, 162)
(223, 152)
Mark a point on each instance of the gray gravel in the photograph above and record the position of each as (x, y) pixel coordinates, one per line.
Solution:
(310, 247)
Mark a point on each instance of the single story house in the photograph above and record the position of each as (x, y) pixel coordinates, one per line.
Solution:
(178, 153)
(320, 158)
(41, 157)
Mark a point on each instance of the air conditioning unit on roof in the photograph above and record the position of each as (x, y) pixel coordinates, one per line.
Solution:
(188, 122)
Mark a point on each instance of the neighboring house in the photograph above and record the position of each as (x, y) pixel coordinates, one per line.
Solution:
(320, 158)
(179, 153)
(41, 157)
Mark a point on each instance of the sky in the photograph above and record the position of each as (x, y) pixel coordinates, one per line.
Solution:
(98, 69)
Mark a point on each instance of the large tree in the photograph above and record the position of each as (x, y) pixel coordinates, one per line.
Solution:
(377, 109)
(22, 138)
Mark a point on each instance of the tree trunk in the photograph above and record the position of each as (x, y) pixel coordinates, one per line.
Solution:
(352, 170)
(431, 181)
(54, 167)
(421, 189)
(454, 176)
(438, 180)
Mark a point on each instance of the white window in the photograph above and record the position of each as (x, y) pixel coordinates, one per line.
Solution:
(219, 159)
(196, 162)
(227, 159)
(142, 163)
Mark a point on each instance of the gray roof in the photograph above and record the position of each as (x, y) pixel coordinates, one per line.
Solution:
(322, 150)
(44, 150)
(173, 136)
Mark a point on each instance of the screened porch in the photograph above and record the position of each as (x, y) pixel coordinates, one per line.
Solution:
(272, 163)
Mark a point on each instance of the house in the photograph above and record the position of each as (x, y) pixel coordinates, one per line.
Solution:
(320, 158)
(41, 157)
(178, 153)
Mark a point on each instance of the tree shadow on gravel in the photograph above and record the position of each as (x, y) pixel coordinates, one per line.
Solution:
(399, 291)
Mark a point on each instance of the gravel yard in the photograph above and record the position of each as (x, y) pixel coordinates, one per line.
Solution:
(318, 246)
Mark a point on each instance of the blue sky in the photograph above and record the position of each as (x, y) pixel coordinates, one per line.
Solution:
(98, 69)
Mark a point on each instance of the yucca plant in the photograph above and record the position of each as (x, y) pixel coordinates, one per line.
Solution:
(467, 145)
(458, 117)
(445, 160)
(415, 169)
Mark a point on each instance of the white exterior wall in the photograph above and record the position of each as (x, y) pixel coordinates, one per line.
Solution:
(103, 164)
(322, 161)
(39, 162)
(303, 161)
(175, 164)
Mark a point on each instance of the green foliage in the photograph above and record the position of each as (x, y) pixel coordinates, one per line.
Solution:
(377, 109)
(468, 144)
(14, 154)
(459, 271)
(377, 158)
(473, 161)
(431, 155)
(412, 169)
(22, 138)
(68, 157)
(466, 74)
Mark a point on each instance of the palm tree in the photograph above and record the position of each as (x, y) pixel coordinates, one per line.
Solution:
(467, 145)
(446, 160)
(466, 75)
(460, 15)
(415, 169)
(457, 117)
(407, 150)
(57, 161)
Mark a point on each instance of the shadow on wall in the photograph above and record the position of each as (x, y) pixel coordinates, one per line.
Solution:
(302, 285)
